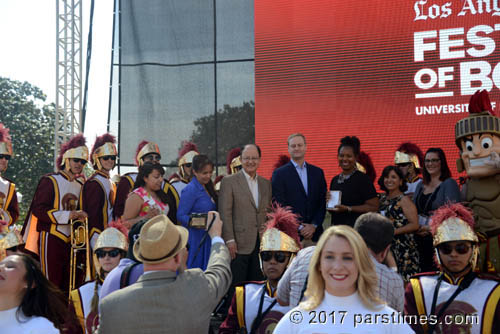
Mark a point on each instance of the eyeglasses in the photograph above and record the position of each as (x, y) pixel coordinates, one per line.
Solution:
(461, 248)
(151, 157)
(4, 156)
(107, 157)
(280, 257)
(250, 159)
(433, 161)
(100, 253)
(81, 161)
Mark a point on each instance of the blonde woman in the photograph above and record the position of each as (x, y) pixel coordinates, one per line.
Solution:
(341, 291)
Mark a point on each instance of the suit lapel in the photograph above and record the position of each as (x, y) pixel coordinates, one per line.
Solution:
(262, 189)
(246, 189)
(309, 178)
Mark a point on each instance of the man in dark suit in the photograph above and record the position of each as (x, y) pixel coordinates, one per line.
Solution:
(301, 186)
(166, 298)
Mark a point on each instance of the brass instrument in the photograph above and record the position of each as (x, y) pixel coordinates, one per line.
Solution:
(79, 242)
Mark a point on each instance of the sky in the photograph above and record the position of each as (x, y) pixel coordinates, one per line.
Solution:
(28, 52)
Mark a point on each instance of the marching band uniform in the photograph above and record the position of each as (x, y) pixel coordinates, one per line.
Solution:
(186, 155)
(98, 192)
(9, 209)
(46, 229)
(471, 301)
(254, 308)
(127, 182)
(365, 165)
(83, 297)
(233, 165)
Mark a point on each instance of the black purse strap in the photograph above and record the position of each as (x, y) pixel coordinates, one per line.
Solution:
(125, 276)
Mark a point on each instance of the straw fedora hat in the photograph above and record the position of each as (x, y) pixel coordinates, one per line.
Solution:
(159, 240)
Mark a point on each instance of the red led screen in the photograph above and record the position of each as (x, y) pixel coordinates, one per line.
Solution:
(385, 71)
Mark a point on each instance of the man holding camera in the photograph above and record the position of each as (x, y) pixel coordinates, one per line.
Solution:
(166, 298)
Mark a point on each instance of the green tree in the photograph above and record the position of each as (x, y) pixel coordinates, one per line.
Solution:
(235, 128)
(31, 124)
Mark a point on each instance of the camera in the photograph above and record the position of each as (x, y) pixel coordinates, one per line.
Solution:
(198, 220)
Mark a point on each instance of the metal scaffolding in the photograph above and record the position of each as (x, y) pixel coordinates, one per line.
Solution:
(68, 120)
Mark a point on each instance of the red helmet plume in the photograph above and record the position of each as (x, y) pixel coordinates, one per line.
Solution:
(4, 133)
(447, 211)
(76, 141)
(480, 102)
(99, 141)
(283, 219)
(187, 146)
(412, 149)
(283, 159)
(365, 161)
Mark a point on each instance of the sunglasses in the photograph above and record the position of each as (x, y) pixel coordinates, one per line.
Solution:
(405, 164)
(107, 157)
(4, 156)
(461, 248)
(280, 257)
(188, 165)
(81, 161)
(151, 157)
(100, 253)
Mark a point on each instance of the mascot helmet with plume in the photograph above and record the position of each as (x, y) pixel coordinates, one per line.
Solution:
(186, 154)
(282, 232)
(144, 148)
(478, 138)
(233, 161)
(74, 148)
(365, 165)
(103, 146)
(454, 222)
(410, 153)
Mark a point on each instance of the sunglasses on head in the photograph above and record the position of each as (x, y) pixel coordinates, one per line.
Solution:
(4, 156)
(280, 257)
(107, 157)
(461, 248)
(100, 253)
(81, 161)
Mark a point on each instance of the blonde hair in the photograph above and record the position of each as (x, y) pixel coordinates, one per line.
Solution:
(367, 281)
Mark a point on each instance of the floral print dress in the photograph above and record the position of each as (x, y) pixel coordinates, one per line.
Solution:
(149, 203)
(403, 246)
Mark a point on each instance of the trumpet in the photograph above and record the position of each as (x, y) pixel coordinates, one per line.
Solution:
(79, 243)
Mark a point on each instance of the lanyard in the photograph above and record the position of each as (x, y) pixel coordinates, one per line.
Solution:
(260, 316)
(466, 282)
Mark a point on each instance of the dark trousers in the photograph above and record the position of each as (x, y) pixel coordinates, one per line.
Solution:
(426, 253)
